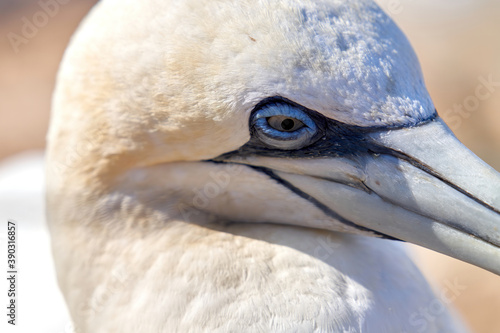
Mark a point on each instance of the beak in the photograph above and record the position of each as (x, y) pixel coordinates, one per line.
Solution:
(419, 185)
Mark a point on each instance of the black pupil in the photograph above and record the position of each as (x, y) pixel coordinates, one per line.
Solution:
(287, 124)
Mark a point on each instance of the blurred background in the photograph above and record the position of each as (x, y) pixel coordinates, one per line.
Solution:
(458, 44)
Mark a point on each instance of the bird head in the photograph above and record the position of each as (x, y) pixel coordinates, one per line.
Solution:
(309, 113)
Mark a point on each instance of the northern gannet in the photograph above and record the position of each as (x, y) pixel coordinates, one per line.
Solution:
(222, 166)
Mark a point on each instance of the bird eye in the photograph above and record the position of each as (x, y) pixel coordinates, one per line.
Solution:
(283, 126)
(284, 123)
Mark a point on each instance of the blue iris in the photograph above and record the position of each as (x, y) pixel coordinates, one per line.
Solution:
(284, 126)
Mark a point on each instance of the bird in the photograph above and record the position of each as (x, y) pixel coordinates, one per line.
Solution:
(255, 166)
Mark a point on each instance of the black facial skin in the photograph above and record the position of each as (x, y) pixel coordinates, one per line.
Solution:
(333, 139)
(336, 139)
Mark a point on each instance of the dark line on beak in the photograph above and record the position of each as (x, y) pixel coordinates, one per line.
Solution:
(317, 203)
(424, 167)
(457, 227)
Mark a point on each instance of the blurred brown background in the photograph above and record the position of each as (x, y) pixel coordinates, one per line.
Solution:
(457, 41)
(27, 76)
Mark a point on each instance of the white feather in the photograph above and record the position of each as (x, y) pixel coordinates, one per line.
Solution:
(146, 90)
